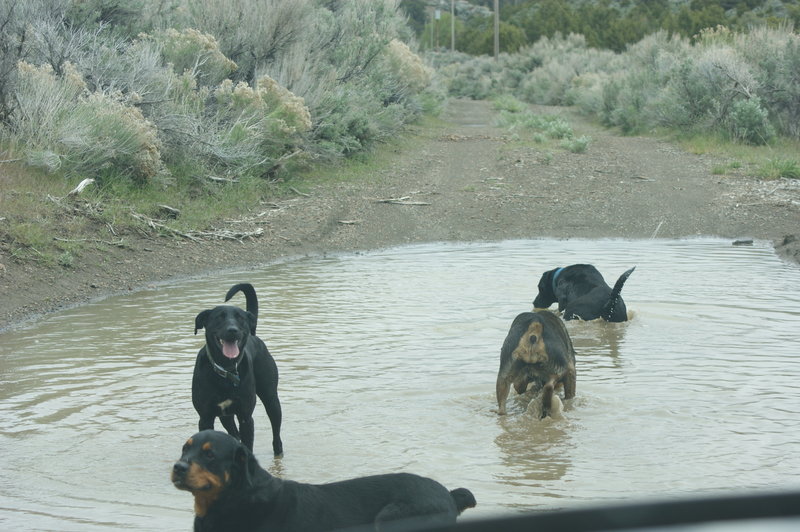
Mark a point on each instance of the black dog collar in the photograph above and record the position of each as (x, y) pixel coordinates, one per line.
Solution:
(229, 376)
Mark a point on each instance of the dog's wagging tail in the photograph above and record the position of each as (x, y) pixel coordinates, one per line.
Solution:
(609, 310)
(251, 300)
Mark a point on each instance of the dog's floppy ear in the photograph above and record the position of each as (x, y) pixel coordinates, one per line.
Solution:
(200, 320)
(547, 278)
(244, 466)
(545, 297)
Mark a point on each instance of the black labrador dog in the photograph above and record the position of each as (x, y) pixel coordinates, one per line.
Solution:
(537, 350)
(232, 368)
(582, 293)
(232, 492)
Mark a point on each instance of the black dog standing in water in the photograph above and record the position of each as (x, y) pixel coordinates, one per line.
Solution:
(232, 492)
(536, 350)
(582, 293)
(232, 368)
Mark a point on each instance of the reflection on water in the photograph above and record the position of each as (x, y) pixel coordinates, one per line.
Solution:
(533, 454)
(388, 362)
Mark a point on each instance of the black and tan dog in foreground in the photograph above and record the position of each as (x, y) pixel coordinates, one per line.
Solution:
(232, 368)
(536, 350)
(582, 293)
(232, 492)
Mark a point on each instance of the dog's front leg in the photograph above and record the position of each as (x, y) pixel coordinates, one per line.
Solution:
(230, 425)
(248, 430)
(547, 397)
(502, 387)
(273, 408)
(570, 384)
(206, 423)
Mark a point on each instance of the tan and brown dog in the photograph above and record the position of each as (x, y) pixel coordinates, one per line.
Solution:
(536, 350)
(233, 493)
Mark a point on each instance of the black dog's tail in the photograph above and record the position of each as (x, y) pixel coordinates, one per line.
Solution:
(249, 295)
(463, 498)
(613, 299)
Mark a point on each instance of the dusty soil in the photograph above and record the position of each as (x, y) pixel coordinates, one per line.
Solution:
(471, 182)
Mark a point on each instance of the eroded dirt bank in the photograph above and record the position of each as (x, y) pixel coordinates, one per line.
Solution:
(471, 181)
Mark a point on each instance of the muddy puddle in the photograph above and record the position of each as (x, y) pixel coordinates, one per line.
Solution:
(388, 362)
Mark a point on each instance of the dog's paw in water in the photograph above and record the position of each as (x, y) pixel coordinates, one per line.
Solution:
(534, 408)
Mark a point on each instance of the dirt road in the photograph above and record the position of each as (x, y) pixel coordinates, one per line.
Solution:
(470, 181)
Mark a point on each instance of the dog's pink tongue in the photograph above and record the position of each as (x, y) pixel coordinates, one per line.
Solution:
(230, 349)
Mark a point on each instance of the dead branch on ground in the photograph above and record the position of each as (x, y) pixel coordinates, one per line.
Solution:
(404, 200)
(198, 236)
(119, 243)
(82, 185)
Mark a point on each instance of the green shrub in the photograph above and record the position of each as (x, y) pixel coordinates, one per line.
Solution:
(254, 33)
(553, 127)
(407, 66)
(507, 102)
(247, 129)
(194, 52)
(318, 78)
(558, 128)
(663, 80)
(576, 145)
(749, 122)
(774, 53)
(561, 61)
(59, 120)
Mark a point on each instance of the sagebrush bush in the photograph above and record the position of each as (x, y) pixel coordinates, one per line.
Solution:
(246, 129)
(576, 145)
(194, 52)
(506, 102)
(661, 81)
(705, 86)
(561, 61)
(553, 127)
(364, 88)
(749, 122)
(774, 53)
(477, 77)
(218, 87)
(251, 33)
(60, 121)
(408, 66)
(118, 137)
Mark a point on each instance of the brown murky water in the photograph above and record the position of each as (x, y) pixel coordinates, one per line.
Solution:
(388, 361)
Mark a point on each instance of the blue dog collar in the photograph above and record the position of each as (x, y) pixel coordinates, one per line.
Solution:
(555, 278)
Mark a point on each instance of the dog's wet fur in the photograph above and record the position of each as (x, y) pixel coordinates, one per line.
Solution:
(582, 293)
(537, 350)
(233, 368)
(232, 492)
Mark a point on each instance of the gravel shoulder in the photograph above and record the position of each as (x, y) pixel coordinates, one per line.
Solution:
(468, 181)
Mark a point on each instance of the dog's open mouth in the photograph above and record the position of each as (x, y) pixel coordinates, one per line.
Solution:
(229, 348)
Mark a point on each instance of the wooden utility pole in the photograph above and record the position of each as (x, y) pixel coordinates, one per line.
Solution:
(433, 23)
(452, 25)
(496, 28)
(437, 15)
